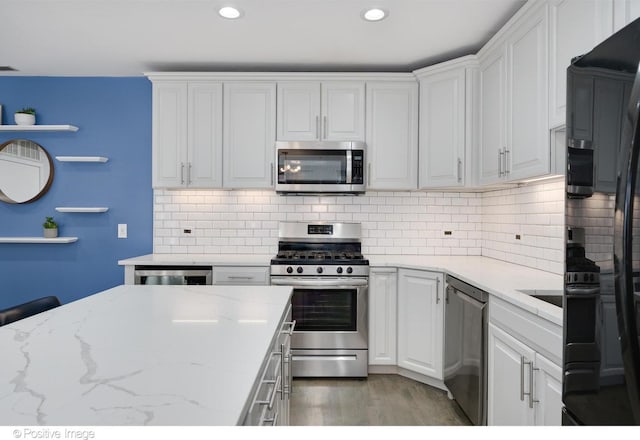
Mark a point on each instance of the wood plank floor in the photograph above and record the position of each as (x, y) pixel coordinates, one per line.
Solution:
(379, 400)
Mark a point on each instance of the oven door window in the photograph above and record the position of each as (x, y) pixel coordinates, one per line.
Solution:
(312, 166)
(324, 310)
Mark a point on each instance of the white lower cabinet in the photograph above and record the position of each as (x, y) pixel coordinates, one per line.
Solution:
(524, 385)
(382, 316)
(421, 321)
(241, 275)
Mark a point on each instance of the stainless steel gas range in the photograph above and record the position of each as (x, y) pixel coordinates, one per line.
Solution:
(324, 264)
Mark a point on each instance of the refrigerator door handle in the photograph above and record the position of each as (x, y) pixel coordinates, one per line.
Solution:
(623, 248)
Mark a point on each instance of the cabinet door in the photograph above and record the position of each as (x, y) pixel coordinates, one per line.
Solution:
(420, 322)
(382, 316)
(392, 135)
(575, 27)
(343, 111)
(204, 136)
(169, 134)
(298, 111)
(491, 118)
(528, 142)
(624, 12)
(442, 129)
(508, 379)
(548, 392)
(249, 134)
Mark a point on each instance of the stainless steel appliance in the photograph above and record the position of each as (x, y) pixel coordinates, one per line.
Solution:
(465, 348)
(324, 264)
(320, 167)
(601, 347)
(182, 275)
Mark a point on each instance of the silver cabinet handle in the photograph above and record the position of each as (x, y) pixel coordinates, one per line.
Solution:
(189, 174)
(239, 277)
(369, 174)
(437, 290)
(282, 370)
(522, 393)
(181, 173)
(507, 168)
(500, 162)
(273, 420)
(532, 399)
(291, 325)
(317, 127)
(325, 127)
(459, 170)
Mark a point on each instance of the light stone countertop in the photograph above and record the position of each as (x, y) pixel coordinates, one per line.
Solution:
(498, 278)
(199, 259)
(140, 355)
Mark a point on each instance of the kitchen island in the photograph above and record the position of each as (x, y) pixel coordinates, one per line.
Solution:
(141, 355)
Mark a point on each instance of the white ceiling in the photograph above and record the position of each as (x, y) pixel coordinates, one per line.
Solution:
(129, 37)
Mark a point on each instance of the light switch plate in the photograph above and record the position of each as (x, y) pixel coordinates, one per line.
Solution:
(122, 230)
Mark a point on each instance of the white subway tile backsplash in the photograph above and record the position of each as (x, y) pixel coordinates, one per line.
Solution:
(393, 223)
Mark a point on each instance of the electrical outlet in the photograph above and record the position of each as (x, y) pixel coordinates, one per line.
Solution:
(122, 230)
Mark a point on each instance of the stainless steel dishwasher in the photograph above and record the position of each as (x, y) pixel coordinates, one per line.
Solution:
(465, 348)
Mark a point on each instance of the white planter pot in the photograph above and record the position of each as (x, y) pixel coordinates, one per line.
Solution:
(25, 119)
(50, 233)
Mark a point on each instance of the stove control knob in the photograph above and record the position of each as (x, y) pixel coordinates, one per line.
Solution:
(349, 269)
(299, 269)
(319, 270)
(289, 269)
(339, 269)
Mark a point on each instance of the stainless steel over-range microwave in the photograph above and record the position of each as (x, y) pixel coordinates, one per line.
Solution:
(320, 167)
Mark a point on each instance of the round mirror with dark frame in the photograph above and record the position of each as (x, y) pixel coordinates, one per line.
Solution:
(26, 171)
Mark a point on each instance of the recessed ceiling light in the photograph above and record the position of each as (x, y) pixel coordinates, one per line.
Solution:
(374, 14)
(230, 12)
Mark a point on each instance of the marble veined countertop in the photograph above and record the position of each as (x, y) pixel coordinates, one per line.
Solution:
(140, 355)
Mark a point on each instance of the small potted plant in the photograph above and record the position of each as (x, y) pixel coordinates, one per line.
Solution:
(25, 116)
(50, 228)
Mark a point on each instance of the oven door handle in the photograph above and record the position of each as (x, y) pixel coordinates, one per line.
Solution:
(319, 282)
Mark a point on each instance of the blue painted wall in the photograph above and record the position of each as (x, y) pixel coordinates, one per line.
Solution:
(114, 120)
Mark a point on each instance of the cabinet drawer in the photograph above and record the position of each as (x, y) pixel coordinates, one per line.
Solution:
(229, 275)
(542, 335)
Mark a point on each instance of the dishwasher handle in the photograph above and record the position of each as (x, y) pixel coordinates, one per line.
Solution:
(464, 297)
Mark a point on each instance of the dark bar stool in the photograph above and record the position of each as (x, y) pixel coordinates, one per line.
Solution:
(15, 313)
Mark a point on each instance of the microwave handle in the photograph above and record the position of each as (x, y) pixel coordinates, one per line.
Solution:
(349, 166)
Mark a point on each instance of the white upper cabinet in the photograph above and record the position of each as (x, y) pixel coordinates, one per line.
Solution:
(249, 134)
(514, 140)
(443, 125)
(331, 111)
(575, 27)
(491, 129)
(624, 12)
(298, 111)
(527, 152)
(169, 116)
(204, 135)
(187, 135)
(392, 135)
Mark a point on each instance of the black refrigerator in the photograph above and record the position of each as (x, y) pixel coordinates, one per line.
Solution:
(601, 347)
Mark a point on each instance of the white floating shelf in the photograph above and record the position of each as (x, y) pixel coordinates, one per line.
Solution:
(38, 240)
(38, 128)
(82, 158)
(78, 209)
